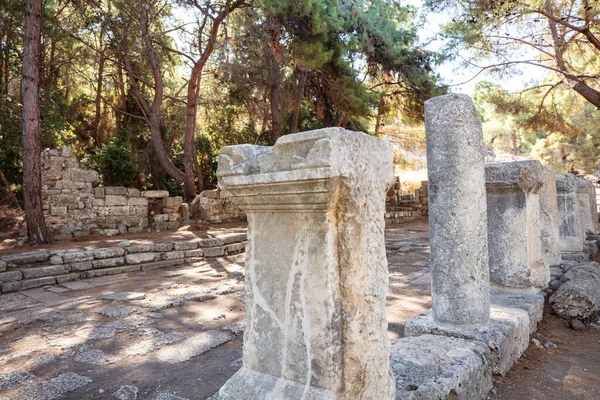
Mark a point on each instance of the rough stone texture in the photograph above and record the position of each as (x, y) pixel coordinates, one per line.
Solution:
(122, 296)
(74, 207)
(578, 297)
(193, 346)
(139, 258)
(316, 301)
(53, 389)
(457, 212)
(439, 367)
(126, 392)
(514, 240)
(26, 258)
(549, 220)
(583, 200)
(3, 266)
(513, 319)
(592, 199)
(570, 230)
(10, 380)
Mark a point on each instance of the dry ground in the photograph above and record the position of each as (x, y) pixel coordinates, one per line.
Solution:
(183, 340)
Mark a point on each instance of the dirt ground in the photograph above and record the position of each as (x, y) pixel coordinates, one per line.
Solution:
(176, 333)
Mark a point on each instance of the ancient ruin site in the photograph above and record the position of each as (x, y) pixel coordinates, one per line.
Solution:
(299, 200)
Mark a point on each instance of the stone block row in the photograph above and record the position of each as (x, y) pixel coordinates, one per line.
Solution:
(39, 268)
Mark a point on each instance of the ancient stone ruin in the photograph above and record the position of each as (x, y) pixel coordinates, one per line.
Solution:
(74, 206)
(316, 270)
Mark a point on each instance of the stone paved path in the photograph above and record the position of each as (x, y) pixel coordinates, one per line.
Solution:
(167, 334)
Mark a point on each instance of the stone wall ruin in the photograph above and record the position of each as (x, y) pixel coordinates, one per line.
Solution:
(74, 206)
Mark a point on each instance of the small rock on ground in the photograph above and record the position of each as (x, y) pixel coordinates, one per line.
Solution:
(577, 325)
(96, 357)
(126, 392)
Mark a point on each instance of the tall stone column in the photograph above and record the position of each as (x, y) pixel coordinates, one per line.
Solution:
(570, 231)
(514, 240)
(549, 221)
(316, 269)
(595, 223)
(583, 199)
(457, 212)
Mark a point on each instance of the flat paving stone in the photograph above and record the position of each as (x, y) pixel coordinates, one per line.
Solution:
(53, 388)
(97, 333)
(96, 357)
(11, 380)
(125, 296)
(15, 300)
(117, 311)
(78, 285)
(193, 346)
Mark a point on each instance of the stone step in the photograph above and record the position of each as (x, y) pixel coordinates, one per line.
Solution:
(49, 267)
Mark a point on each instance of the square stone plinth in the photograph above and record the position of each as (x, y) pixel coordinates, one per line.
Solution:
(513, 317)
(440, 367)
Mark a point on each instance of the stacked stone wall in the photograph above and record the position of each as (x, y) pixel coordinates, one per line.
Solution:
(213, 207)
(74, 206)
(401, 208)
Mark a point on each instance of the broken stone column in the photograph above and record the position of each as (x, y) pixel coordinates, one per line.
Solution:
(549, 221)
(514, 240)
(316, 269)
(583, 199)
(570, 231)
(457, 212)
(594, 223)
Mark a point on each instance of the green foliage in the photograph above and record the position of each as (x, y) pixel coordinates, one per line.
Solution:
(114, 165)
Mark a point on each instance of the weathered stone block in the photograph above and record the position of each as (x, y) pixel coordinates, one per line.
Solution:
(570, 228)
(184, 211)
(172, 255)
(578, 296)
(112, 271)
(82, 175)
(67, 278)
(593, 200)
(162, 247)
(99, 192)
(438, 367)
(30, 273)
(172, 202)
(155, 194)
(513, 210)
(115, 190)
(26, 258)
(77, 256)
(81, 266)
(162, 264)
(161, 218)
(214, 251)
(3, 266)
(210, 242)
(139, 248)
(10, 276)
(108, 252)
(58, 210)
(133, 193)
(234, 248)
(140, 258)
(549, 220)
(114, 200)
(185, 245)
(194, 253)
(27, 284)
(108, 262)
(137, 201)
(173, 226)
(233, 238)
(292, 192)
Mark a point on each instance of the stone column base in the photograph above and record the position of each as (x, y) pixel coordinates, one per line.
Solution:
(247, 384)
(513, 317)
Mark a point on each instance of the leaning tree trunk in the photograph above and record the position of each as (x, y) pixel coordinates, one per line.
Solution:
(32, 175)
(295, 119)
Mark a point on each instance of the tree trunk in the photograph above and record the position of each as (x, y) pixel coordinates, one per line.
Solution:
(275, 84)
(32, 175)
(98, 102)
(295, 119)
(379, 116)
